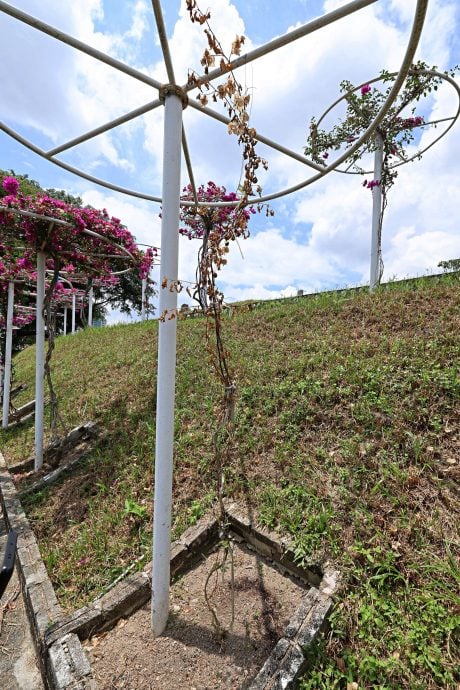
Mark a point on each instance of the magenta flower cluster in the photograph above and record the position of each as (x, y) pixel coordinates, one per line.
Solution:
(97, 256)
(203, 220)
(365, 89)
(147, 262)
(409, 122)
(19, 320)
(371, 184)
(10, 185)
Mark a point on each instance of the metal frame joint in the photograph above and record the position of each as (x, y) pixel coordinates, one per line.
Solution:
(168, 89)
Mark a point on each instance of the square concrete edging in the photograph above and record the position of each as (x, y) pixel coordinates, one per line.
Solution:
(83, 432)
(58, 638)
(287, 661)
(64, 666)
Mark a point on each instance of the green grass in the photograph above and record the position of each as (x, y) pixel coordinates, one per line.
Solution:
(346, 439)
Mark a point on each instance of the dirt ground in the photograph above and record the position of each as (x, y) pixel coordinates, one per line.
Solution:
(190, 654)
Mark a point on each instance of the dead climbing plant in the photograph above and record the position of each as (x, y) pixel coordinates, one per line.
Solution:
(217, 226)
(232, 94)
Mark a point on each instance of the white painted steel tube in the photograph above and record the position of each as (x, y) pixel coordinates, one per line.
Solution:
(65, 321)
(105, 128)
(419, 18)
(166, 364)
(8, 350)
(90, 306)
(74, 301)
(144, 285)
(376, 248)
(40, 361)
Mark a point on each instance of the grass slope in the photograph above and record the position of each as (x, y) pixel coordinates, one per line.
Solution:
(347, 439)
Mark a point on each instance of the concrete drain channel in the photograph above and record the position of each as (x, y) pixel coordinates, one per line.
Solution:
(58, 638)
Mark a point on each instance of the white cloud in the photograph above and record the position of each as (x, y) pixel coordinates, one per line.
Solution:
(71, 93)
(140, 217)
(412, 253)
(275, 262)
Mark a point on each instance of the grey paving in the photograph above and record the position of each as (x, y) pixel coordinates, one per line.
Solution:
(19, 667)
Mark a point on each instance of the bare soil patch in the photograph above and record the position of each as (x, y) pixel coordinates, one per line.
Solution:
(189, 654)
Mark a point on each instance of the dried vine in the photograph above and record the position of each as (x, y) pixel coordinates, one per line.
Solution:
(234, 97)
(217, 227)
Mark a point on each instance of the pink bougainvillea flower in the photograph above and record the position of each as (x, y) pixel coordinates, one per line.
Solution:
(10, 185)
(372, 184)
(365, 89)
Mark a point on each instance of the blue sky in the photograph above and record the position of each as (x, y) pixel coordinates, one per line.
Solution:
(319, 237)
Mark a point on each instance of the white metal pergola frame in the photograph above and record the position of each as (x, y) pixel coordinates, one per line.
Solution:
(9, 328)
(175, 97)
(40, 323)
(376, 249)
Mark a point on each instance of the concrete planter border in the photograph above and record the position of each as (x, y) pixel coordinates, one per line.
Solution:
(58, 637)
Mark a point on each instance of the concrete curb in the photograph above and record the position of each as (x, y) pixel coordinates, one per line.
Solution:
(42, 605)
(270, 545)
(287, 662)
(84, 432)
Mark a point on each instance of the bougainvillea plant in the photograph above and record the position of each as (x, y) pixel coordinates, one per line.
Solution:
(73, 239)
(216, 227)
(395, 133)
(30, 221)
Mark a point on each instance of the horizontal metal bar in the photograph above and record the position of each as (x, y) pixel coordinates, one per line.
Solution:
(78, 45)
(263, 140)
(76, 171)
(31, 214)
(105, 128)
(58, 221)
(419, 17)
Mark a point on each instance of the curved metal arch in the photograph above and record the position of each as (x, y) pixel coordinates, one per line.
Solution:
(417, 25)
(434, 73)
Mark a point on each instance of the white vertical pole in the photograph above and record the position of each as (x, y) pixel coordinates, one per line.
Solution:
(40, 361)
(166, 364)
(144, 285)
(376, 248)
(74, 300)
(90, 306)
(8, 349)
(65, 320)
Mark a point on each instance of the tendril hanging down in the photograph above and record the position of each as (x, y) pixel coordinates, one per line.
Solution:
(217, 227)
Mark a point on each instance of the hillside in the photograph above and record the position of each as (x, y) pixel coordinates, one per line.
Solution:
(347, 439)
